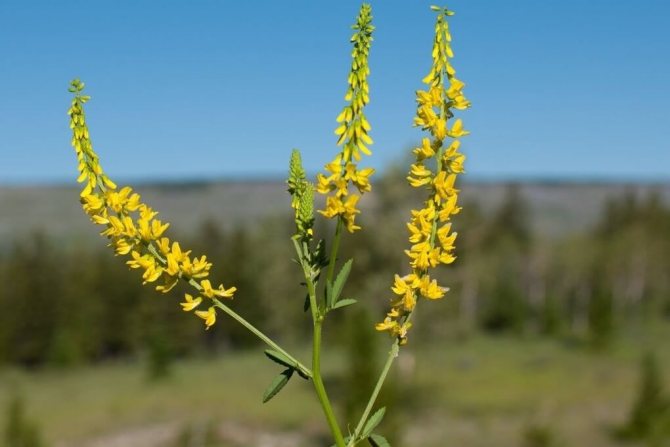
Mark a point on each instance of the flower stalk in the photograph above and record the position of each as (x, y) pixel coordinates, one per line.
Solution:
(132, 228)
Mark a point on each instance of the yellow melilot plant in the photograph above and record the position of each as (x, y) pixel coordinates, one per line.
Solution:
(133, 230)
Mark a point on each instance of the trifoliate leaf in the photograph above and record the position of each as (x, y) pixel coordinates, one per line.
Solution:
(277, 384)
(373, 422)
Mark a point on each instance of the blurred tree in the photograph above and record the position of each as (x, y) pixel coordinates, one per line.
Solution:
(19, 431)
(650, 414)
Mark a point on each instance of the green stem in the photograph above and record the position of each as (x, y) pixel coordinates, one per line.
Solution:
(375, 393)
(317, 318)
(335, 249)
(267, 340)
(237, 317)
(321, 389)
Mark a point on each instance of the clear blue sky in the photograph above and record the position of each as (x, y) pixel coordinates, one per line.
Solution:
(215, 89)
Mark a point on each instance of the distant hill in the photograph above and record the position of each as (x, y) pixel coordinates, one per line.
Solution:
(556, 207)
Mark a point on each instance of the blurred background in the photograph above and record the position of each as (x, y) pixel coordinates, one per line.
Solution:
(554, 333)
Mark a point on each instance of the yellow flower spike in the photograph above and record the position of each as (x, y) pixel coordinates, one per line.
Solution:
(352, 132)
(130, 225)
(431, 243)
(190, 302)
(209, 316)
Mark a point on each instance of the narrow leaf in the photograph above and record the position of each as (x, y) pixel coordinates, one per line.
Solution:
(277, 384)
(329, 295)
(280, 358)
(373, 422)
(378, 441)
(307, 304)
(320, 255)
(344, 303)
(341, 279)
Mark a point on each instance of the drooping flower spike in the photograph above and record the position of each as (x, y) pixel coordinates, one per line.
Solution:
(436, 167)
(131, 225)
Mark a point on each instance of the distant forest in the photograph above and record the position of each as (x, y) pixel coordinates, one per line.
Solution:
(64, 304)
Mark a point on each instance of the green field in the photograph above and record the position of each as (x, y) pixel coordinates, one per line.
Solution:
(476, 392)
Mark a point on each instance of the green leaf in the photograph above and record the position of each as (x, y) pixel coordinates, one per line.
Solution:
(373, 422)
(280, 358)
(329, 295)
(320, 255)
(344, 303)
(435, 8)
(277, 384)
(341, 279)
(302, 374)
(378, 441)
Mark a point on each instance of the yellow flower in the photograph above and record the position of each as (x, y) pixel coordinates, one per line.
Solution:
(210, 292)
(209, 316)
(419, 175)
(349, 213)
(425, 151)
(457, 129)
(430, 289)
(190, 303)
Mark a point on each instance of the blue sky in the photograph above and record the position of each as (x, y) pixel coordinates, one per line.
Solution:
(216, 89)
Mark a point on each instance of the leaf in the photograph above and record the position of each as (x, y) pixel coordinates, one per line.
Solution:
(280, 358)
(344, 303)
(302, 374)
(277, 384)
(320, 256)
(341, 279)
(378, 441)
(329, 295)
(373, 422)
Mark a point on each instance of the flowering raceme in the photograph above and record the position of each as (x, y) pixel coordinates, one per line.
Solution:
(132, 227)
(352, 133)
(437, 164)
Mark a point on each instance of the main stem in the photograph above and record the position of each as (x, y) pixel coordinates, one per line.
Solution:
(320, 389)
